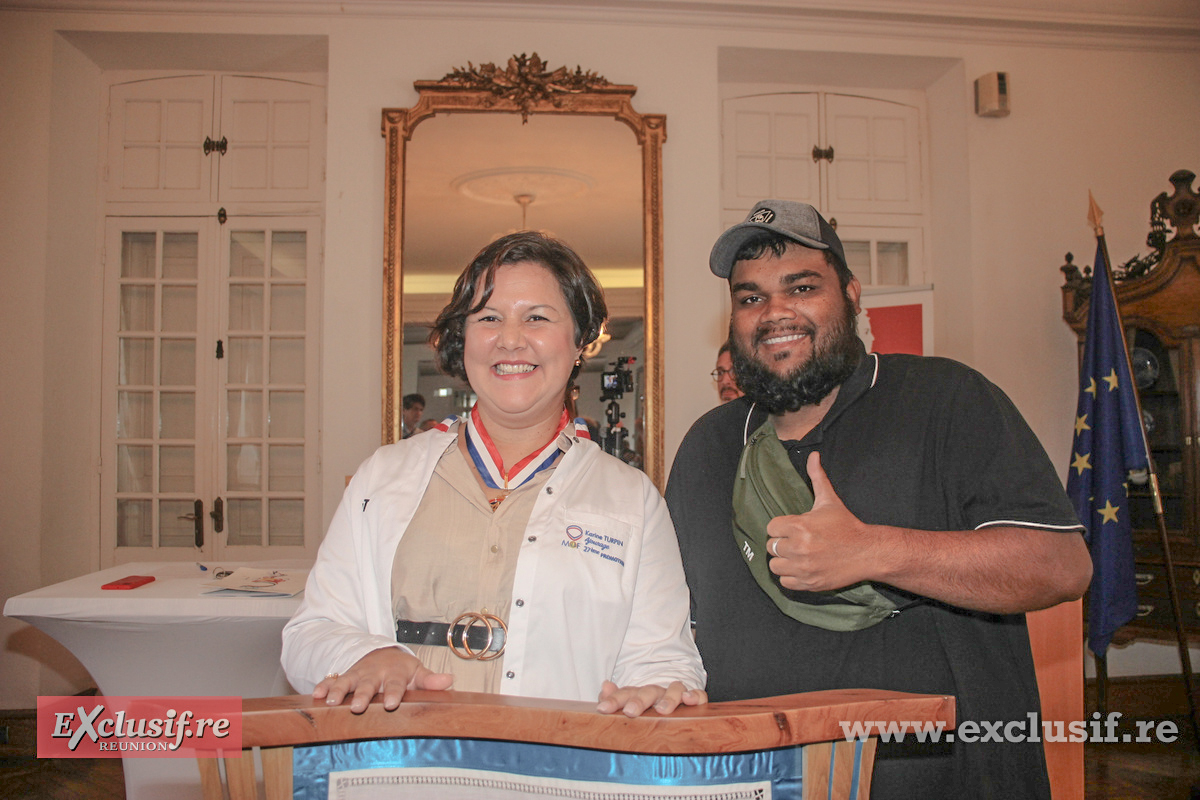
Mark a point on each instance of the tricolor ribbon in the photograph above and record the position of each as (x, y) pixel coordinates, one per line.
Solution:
(491, 467)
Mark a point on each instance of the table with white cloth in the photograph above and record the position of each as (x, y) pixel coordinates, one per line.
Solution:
(168, 637)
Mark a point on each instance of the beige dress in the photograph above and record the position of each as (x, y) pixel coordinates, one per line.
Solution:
(459, 555)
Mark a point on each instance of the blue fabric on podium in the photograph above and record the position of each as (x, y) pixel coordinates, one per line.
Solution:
(312, 765)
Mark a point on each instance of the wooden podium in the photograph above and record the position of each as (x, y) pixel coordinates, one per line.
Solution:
(832, 766)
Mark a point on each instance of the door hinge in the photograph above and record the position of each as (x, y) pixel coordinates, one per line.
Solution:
(823, 155)
(210, 146)
(220, 349)
(222, 216)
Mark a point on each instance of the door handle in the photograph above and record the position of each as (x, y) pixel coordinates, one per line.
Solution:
(218, 515)
(197, 517)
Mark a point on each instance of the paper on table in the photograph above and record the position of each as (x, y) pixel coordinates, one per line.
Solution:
(262, 581)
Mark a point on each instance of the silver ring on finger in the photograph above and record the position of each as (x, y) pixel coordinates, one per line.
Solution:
(773, 547)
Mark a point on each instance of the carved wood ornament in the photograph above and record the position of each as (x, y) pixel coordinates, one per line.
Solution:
(1141, 277)
(526, 82)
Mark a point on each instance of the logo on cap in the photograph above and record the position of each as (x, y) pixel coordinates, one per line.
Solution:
(763, 215)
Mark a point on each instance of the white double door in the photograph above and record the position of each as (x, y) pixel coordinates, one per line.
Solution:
(210, 408)
(856, 159)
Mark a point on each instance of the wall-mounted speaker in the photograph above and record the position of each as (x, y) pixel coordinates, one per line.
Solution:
(991, 95)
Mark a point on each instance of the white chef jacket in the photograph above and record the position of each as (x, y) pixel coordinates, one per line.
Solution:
(599, 592)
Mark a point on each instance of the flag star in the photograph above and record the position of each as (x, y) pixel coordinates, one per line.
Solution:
(1091, 387)
(1109, 512)
(1111, 380)
(1081, 462)
(1081, 424)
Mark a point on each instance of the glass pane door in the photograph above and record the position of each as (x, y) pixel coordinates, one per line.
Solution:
(211, 361)
(157, 402)
(884, 257)
(269, 433)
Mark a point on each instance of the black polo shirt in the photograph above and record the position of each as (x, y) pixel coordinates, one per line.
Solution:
(923, 443)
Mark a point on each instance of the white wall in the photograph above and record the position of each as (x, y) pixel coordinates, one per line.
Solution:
(25, 70)
(1116, 117)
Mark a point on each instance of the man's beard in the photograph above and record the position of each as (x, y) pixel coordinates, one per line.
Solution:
(833, 359)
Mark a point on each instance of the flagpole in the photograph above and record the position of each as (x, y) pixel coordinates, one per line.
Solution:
(1095, 216)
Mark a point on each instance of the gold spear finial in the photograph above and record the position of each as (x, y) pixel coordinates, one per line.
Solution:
(1095, 215)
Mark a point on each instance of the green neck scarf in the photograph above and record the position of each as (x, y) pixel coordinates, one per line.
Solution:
(768, 486)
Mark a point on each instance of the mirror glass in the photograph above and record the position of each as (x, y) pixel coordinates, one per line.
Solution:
(582, 167)
(471, 178)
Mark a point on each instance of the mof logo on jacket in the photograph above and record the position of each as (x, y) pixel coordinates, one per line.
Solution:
(591, 542)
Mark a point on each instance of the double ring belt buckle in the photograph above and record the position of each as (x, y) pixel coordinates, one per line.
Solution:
(469, 620)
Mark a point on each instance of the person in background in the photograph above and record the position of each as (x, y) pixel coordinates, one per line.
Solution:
(502, 551)
(412, 407)
(727, 388)
(868, 521)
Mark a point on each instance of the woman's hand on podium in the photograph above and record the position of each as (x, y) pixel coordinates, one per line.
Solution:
(389, 671)
(633, 701)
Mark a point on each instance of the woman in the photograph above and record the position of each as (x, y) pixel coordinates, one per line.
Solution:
(504, 552)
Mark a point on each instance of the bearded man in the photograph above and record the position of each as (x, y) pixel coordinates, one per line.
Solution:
(867, 521)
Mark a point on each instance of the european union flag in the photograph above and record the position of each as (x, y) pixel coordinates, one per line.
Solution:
(1108, 444)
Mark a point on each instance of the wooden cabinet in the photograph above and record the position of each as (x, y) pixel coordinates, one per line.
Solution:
(1161, 313)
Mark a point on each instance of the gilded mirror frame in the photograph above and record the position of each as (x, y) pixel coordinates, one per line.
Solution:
(526, 87)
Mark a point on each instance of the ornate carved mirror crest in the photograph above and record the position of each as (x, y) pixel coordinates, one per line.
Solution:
(490, 149)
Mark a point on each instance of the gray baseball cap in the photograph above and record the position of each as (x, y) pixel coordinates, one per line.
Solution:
(799, 222)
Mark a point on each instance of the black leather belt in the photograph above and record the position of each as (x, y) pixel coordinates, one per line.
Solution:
(477, 637)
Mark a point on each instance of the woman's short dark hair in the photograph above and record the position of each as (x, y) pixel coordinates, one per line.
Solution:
(582, 292)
